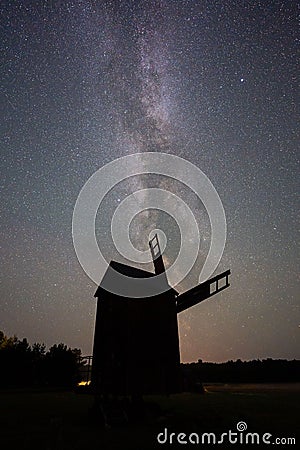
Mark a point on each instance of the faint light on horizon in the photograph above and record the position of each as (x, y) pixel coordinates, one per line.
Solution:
(84, 383)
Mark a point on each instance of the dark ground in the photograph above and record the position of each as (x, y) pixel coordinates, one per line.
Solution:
(48, 420)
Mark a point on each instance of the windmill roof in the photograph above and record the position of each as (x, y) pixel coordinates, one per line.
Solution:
(129, 271)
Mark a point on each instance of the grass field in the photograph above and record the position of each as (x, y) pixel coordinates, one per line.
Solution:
(59, 420)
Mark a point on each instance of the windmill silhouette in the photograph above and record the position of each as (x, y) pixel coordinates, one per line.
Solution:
(136, 343)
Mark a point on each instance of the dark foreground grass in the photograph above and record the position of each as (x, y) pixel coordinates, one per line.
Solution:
(33, 420)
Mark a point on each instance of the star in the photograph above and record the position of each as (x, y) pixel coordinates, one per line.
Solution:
(90, 82)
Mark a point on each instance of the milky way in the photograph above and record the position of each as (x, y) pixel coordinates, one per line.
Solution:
(215, 82)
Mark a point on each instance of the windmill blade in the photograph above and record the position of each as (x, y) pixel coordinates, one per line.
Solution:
(203, 291)
(158, 262)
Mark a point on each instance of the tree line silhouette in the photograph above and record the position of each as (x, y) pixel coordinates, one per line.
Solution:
(256, 371)
(25, 365)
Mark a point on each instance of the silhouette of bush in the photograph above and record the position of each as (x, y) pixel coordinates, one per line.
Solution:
(61, 365)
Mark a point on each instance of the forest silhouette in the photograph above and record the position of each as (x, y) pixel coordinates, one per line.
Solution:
(24, 365)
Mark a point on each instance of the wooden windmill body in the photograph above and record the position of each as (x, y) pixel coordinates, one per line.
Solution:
(136, 343)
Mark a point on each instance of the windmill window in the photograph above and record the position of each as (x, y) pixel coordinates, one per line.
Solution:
(222, 283)
(213, 288)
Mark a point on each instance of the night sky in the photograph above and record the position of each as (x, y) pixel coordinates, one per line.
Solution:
(212, 81)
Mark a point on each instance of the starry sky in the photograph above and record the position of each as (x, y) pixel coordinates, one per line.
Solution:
(215, 82)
